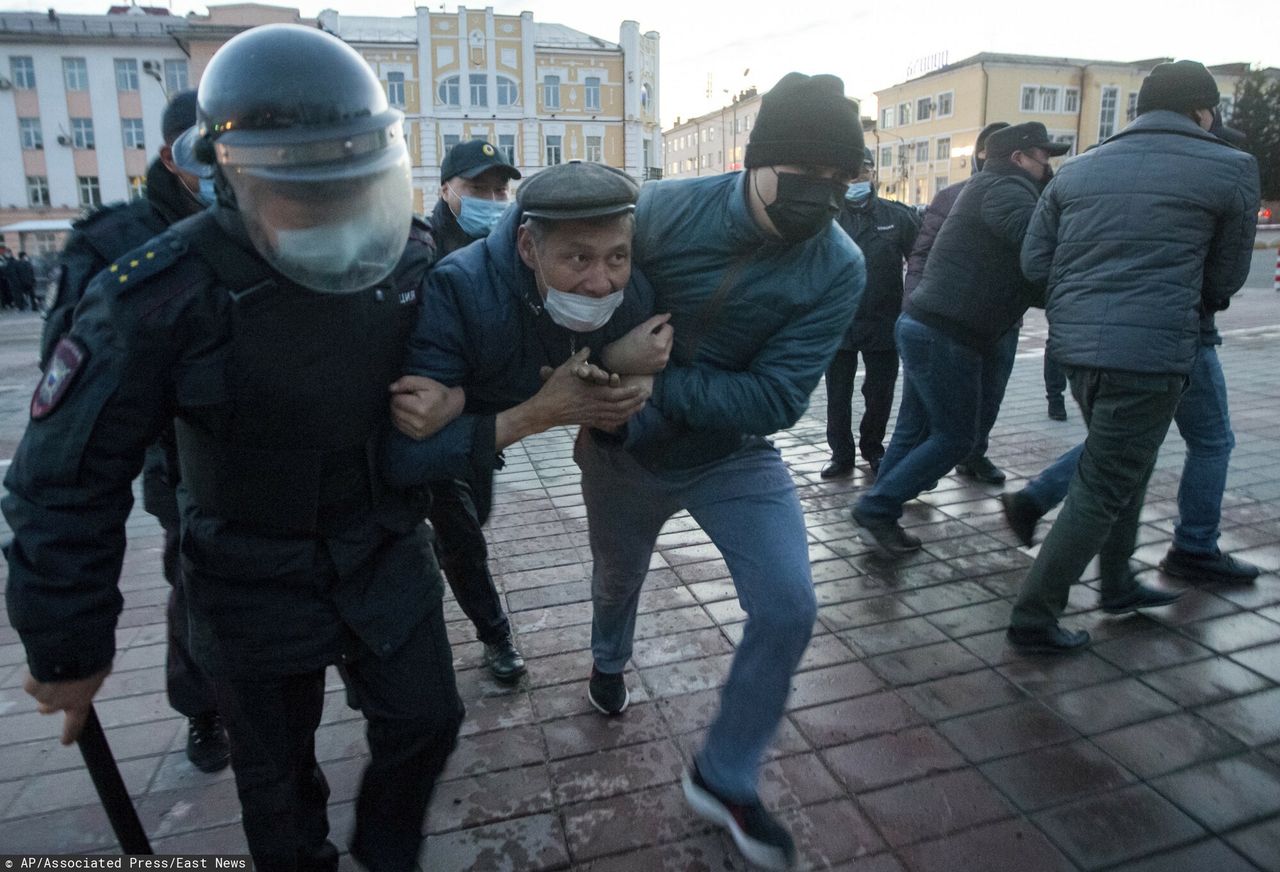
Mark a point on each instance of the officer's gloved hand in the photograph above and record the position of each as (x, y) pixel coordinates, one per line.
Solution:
(73, 697)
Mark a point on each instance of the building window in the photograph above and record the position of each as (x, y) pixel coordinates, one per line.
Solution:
(82, 132)
(32, 136)
(904, 114)
(595, 149)
(1048, 99)
(551, 93)
(943, 148)
(1028, 103)
(946, 104)
(1131, 111)
(507, 145)
(922, 151)
(553, 150)
(137, 187)
(175, 76)
(1071, 100)
(132, 129)
(923, 105)
(1070, 139)
(645, 97)
(37, 191)
(449, 92)
(479, 89)
(126, 74)
(24, 73)
(591, 93)
(395, 89)
(940, 182)
(886, 156)
(75, 73)
(886, 118)
(902, 154)
(449, 140)
(508, 93)
(1107, 112)
(90, 195)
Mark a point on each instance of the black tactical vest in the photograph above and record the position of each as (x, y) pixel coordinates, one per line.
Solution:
(306, 376)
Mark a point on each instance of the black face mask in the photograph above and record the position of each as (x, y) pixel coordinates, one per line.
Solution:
(1216, 127)
(803, 205)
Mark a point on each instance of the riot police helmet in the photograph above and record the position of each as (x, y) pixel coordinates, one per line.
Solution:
(309, 153)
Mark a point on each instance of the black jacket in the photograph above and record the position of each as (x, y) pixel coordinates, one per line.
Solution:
(939, 208)
(159, 335)
(885, 231)
(1138, 239)
(448, 234)
(973, 288)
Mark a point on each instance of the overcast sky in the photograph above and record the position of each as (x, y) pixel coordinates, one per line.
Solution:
(870, 45)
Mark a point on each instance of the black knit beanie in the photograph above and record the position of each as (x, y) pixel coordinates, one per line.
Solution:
(1181, 86)
(807, 120)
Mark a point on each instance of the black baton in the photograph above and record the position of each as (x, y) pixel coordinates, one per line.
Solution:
(110, 786)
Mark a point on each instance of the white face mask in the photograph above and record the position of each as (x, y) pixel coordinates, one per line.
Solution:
(580, 313)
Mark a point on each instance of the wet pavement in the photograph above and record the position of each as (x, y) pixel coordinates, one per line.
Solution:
(915, 739)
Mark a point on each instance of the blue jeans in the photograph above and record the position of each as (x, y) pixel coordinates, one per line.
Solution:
(938, 417)
(996, 369)
(747, 504)
(1205, 425)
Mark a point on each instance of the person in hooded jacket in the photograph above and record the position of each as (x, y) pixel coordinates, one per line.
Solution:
(885, 231)
(950, 332)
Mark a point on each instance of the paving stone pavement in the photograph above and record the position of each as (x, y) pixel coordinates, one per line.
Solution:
(914, 740)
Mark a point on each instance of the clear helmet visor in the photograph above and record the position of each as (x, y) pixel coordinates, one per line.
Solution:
(335, 227)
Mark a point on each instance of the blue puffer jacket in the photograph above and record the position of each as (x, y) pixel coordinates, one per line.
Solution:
(756, 322)
(1137, 239)
(482, 326)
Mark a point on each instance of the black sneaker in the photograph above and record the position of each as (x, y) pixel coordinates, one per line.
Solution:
(981, 469)
(1047, 640)
(758, 834)
(1215, 567)
(837, 469)
(207, 747)
(608, 692)
(1057, 408)
(888, 537)
(504, 661)
(1022, 515)
(1139, 597)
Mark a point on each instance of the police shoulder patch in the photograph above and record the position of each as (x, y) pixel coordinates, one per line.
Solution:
(65, 362)
(147, 261)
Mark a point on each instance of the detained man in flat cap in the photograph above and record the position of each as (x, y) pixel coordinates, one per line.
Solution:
(1127, 322)
(541, 324)
(760, 284)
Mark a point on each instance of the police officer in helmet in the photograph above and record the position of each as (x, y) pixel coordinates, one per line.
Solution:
(268, 328)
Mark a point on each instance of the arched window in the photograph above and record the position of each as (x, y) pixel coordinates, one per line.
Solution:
(448, 93)
(508, 93)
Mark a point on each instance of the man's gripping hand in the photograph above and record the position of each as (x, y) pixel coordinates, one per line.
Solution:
(421, 406)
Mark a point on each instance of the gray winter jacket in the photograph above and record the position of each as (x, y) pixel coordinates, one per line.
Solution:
(1137, 239)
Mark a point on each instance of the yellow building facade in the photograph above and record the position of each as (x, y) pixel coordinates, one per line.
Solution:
(925, 128)
(542, 93)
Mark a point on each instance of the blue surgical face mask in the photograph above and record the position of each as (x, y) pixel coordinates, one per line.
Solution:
(207, 194)
(477, 217)
(858, 192)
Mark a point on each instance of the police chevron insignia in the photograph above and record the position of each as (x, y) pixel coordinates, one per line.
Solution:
(64, 363)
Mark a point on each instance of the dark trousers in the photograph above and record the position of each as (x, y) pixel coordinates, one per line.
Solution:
(997, 366)
(877, 395)
(1055, 380)
(190, 690)
(413, 711)
(1128, 415)
(464, 558)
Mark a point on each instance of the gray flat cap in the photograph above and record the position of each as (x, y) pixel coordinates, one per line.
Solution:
(576, 190)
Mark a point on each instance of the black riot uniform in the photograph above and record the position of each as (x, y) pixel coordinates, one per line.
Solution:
(294, 556)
